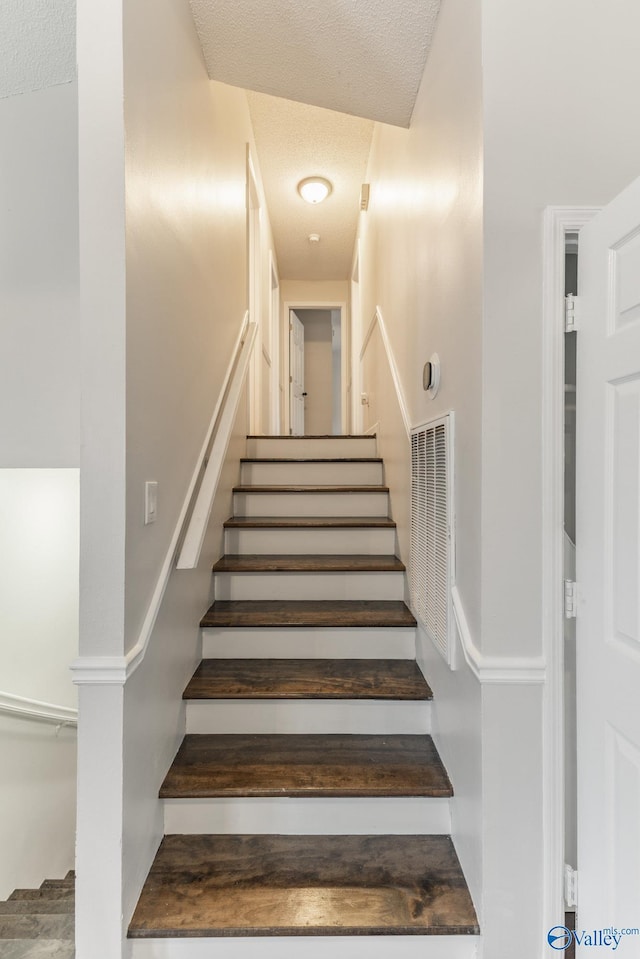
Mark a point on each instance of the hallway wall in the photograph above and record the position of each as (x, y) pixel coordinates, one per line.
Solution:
(421, 263)
(164, 275)
(556, 133)
(39, 379)
(39, 438)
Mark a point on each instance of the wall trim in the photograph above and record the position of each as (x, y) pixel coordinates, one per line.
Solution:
(378, 320)
(25, 708)
(495, 670)
(116, 670)
(558, 221)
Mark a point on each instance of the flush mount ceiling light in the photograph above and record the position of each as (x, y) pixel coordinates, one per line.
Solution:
(314, 189)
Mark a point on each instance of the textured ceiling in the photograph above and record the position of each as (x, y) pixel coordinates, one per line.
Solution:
(37, 44)
(363, 57)
(296, 141)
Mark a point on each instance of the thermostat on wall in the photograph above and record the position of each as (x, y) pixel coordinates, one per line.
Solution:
(431, 376)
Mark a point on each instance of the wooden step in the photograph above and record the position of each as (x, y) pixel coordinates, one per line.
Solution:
(58, 883)
(310, 489)
(307, 679)
(39, 907)
(301, 562)
(318, 446)
(309, 522)
(306, 765)
(302, 539)
(324, 586)
(38, 949)
(320, 577)
(37, 927)
(327, 501)
(251, 885)
(308, 696)
(305, 472)
(42, 894)
(366, 613)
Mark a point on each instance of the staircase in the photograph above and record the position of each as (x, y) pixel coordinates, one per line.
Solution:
(307, 797)
(39, 923)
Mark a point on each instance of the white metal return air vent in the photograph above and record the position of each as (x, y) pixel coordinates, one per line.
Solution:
(431, 565)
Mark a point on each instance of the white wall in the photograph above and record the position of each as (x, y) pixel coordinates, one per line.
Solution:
(39, 434)
(39, 379)
(162, 305)
(39, 629)
(421, 262)
(560, 83)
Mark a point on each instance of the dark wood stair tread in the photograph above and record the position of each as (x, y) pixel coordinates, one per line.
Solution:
(281, 613)
(204, 885)
(311, 489)
(338, 765)
(309, 522)
(307, 563)
(393, 679)
(311, 459)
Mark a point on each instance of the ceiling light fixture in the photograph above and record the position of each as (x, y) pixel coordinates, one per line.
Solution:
(314, 189)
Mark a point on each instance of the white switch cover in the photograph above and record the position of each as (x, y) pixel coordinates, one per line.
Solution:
(150, 502)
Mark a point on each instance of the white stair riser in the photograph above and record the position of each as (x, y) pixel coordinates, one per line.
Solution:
(309, 716)
(308, 643)
(301, 447)
(311, 474)
(309, 816)
(301, 541)
(311, 504)
(311, 947)
(309, 586)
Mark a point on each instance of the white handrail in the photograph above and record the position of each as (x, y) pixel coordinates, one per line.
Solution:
(34, 709)
(194, 538)
(105, 670)
(378, 320)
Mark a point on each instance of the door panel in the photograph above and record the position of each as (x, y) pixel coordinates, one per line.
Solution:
(608, 569)
(296, 366)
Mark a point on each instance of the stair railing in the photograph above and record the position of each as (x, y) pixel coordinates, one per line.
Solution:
(217, 445)
(35, 710)
(190, 528)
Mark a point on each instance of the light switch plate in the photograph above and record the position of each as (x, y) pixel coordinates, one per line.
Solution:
(150, 502)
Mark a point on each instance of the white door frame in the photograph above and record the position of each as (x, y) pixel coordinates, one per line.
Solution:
(274, 345)
(558, 221)
(355, 327)
(300, 304)
(254, 273)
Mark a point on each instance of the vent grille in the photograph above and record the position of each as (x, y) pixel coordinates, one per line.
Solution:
(431, 563)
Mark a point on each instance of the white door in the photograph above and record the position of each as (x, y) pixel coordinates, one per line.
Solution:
(296, 368)
(608, 574)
